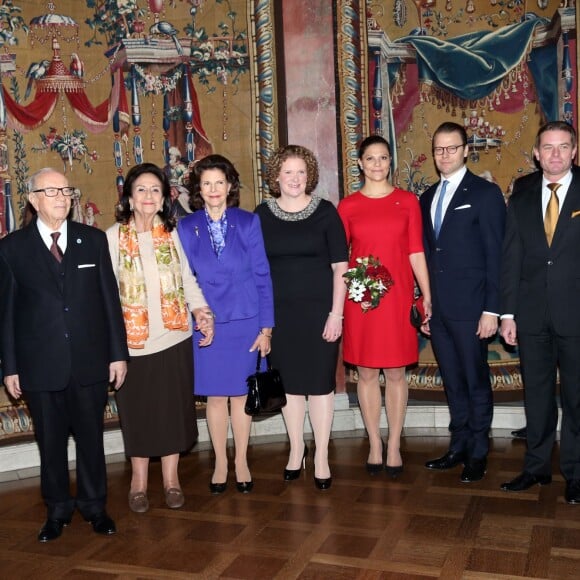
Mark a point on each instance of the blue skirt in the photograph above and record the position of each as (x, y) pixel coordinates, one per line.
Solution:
(222, 368)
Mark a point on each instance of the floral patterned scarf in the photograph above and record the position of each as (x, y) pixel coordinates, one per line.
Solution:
(217, 232)
(133, 289)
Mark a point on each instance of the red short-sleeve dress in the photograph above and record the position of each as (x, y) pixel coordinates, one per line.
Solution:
(390, 229)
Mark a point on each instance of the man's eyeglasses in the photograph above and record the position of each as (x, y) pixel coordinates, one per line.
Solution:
(450, 149)
(53, 191)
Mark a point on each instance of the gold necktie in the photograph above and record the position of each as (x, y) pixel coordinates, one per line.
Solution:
(552, 213)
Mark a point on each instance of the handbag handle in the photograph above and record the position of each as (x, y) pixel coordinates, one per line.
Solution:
(259, 362)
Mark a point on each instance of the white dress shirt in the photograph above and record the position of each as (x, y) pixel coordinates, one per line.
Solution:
(453, 183)
(45, 232)
(561, 193)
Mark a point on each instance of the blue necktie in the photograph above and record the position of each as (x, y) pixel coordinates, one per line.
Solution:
(439, 209)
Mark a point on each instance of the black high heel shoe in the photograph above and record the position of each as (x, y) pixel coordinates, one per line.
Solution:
(217, 488)
(374, 468)
(394, 470)
(292, 474)
(323, 483)
(245, 486)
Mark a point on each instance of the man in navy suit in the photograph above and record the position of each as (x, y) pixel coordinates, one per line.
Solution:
(540, 283)
(62, 341)
(463, 222)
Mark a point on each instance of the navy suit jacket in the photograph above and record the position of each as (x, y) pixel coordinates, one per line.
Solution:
(464, 261)
(238, 285)
(54, 326)
(535, 276)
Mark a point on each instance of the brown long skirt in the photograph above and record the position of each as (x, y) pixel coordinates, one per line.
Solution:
(156, 405)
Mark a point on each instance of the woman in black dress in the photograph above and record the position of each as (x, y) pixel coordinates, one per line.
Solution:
(306, 246)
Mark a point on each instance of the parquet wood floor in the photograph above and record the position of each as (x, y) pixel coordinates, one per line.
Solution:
(423, 525)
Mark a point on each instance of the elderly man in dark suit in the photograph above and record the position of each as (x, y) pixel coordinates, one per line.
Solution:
(540, 281)
(62, 342)
(463, 221)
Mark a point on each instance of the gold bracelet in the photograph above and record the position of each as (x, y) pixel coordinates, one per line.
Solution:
(266, 335)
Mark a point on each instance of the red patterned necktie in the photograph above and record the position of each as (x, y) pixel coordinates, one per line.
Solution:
(552, 213)
(55, 248)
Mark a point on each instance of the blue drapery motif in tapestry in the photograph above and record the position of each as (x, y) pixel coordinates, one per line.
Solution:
(543, 65)
(473, 65)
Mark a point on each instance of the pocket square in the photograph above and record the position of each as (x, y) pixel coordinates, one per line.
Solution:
(463, 206)
(86, 266)
(575, 213)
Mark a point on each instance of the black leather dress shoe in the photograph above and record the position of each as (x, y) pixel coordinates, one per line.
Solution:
(520, 433)
(572, 491)
(52, 529)
(525, 480)
(103, 524)
(474, 470)
(449, 460)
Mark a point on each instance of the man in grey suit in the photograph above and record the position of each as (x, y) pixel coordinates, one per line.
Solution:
(540, 285)
(62, 342)
(463, 224)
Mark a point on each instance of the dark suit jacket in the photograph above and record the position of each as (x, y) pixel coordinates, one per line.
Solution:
(535, 276)
(464, 261)
(238, 286)
(56, 326)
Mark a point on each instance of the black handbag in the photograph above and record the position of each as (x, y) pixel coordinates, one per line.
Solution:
(417, 315)
(265, 390)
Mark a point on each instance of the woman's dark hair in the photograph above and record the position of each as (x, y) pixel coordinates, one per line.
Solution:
(214, 161)
(289, 152)
(373, 140)
(124, 212)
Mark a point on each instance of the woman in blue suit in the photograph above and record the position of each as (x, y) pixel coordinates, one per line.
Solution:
(225, 249)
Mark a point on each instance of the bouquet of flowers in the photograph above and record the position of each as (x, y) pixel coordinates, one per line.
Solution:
(368, 282)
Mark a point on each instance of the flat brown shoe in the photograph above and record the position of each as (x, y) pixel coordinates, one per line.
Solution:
(138, 502)
(174, 498)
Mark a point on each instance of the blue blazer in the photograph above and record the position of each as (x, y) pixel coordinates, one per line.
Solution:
(464, 261)
(238, 285)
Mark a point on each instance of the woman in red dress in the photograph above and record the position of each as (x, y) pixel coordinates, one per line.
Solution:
(385, 222)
